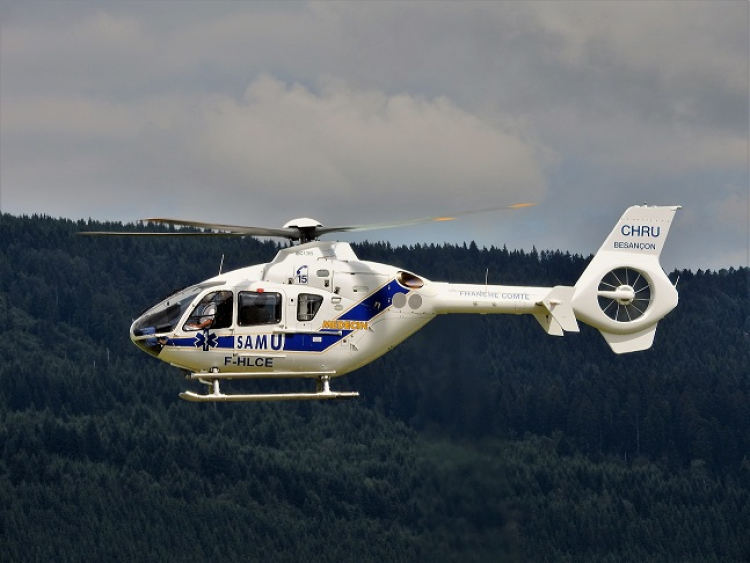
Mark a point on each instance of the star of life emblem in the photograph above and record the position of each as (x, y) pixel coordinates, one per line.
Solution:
(206, 340)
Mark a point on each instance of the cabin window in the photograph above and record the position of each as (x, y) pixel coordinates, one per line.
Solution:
(214, 311)
(308, 306)
(256, 308)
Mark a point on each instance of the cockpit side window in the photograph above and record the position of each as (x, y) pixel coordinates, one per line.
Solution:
(214, 311)
(256, 308)
(308, 306)
(163, 317)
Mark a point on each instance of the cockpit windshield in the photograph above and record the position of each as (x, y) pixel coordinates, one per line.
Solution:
(165, 316)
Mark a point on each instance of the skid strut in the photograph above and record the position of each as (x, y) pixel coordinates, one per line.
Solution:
(323, 392)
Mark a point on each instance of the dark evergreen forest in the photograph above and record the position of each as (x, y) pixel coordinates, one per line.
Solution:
(480, 438)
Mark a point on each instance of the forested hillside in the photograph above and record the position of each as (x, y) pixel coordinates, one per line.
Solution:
(478, 439)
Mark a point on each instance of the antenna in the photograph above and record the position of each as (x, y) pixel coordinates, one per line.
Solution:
(221, 264)
(486, 277)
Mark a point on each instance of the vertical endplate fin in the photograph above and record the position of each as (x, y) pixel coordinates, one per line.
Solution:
(560, 317)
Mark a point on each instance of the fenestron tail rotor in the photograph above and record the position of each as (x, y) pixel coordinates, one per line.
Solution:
(624, 294)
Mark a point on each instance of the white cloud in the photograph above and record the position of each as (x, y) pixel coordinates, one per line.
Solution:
(74, 118)
(363, 148)
(282, 146)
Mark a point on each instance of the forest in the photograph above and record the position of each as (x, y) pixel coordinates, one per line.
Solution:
(480, 438)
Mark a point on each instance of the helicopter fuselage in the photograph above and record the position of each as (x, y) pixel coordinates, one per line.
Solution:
(315, 310)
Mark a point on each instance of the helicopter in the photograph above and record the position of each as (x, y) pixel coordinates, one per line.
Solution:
(317, 311)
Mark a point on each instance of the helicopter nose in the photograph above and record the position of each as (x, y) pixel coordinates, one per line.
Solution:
(145, 338)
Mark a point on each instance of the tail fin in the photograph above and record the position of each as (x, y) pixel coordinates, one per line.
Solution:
(624, 292)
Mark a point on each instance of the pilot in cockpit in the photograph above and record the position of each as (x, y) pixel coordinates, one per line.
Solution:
(205, 320)
(214, 311)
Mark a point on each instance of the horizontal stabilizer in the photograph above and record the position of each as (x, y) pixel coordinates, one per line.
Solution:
(559, 317)
(549, 324)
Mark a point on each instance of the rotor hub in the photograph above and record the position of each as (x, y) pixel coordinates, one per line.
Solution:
(624, 294)
(303, 223)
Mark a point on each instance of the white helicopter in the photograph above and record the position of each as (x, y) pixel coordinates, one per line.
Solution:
(317, 311)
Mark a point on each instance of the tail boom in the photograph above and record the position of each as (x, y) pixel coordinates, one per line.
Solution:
(623, 292)
(551, 306)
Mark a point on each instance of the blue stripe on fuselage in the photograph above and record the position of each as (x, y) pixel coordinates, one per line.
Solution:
(374, 304)
(365, 311)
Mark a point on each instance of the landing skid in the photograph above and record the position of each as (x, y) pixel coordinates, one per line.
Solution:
(323, 393)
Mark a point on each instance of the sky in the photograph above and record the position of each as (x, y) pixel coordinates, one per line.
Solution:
(254, 113)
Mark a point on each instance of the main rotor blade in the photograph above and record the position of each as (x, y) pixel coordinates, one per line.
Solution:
(217, 230)
(230, 229)
(375, 226)
(304, 234)
(154, 234)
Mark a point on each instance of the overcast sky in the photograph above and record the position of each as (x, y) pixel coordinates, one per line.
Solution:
(353, 112)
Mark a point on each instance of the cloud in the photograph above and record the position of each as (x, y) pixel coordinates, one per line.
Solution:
(363, 148)
(282, 146)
